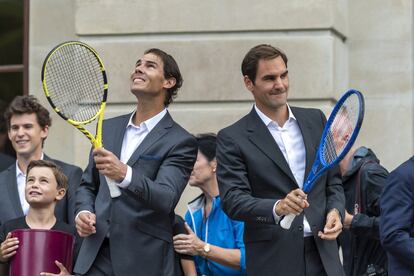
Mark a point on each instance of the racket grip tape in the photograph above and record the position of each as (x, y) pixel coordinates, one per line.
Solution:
(114, 190)
(286, 221)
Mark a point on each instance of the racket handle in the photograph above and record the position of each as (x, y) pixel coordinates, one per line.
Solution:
(113, 188)
(286, 221)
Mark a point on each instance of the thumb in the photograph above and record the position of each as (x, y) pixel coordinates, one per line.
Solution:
(188, 228)
(61, 267)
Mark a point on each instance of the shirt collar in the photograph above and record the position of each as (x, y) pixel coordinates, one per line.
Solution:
(19, 171)
(266, 120)
(150, 123)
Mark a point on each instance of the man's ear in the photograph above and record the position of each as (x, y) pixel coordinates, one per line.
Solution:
(170, 82)
(248, 83)
(45, 132)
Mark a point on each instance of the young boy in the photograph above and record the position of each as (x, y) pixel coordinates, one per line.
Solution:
(45, 186)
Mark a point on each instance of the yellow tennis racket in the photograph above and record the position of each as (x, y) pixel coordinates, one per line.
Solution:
(75, 84)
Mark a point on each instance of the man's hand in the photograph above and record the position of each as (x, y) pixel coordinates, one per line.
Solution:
(348, 220)
(188, 244)
(63, 271)
(293, 203)
(8, 248)
(109, 165)
(333, 226)
(85, 224)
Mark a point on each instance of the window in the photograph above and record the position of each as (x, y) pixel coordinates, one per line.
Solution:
(14, 34)
(13, 48)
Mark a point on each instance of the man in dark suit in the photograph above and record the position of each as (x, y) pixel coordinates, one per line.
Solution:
(28, 125)
(397, 220)
(150, 158)
(263, 160)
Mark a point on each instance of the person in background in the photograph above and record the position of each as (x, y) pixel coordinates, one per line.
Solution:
(363, 179)
(397, 220)
(215, 240)
(28, 124)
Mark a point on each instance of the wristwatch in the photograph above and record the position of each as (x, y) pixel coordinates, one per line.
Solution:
(206, 248)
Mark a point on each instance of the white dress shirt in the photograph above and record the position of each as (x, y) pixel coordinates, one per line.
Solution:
(21, 187)
(134, 135)
(290, 141)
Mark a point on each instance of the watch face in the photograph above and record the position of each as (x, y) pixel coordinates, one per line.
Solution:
(206, 248)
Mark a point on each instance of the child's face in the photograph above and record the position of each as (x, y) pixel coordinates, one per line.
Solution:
(41, 187)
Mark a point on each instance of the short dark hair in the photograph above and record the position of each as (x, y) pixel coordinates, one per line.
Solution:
(171, 70)
(28, 105)
(61, 179)
(207, 145)
(261, 51)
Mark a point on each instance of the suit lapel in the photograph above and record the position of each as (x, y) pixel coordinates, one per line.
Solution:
(14, 192)
(155, 134)
(263, 139)
(308, 138)
(114, 136)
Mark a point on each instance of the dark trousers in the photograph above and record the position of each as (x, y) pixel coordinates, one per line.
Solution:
(102, 265)
(313, 262)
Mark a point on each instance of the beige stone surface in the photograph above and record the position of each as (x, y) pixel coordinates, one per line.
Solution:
(141, 16)
(210, 65)
(47, 29)
(381, 65)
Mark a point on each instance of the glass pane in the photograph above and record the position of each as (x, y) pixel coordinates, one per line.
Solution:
(11, 84)
(11, 32)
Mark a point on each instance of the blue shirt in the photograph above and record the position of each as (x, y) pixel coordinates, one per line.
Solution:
(218, 230)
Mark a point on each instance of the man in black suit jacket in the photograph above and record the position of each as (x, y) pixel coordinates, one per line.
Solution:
(397, 219)
(28, 125)
(150, 158)
(263, 160)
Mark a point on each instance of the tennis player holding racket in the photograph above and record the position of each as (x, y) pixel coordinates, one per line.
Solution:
(150, 157)
(263, 160)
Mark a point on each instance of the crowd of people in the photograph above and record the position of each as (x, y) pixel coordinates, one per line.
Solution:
(250, 176)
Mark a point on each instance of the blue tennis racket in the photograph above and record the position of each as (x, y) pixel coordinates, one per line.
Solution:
(338, 136)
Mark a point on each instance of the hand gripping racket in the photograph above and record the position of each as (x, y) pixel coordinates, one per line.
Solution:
(75, 84)
(339, 134)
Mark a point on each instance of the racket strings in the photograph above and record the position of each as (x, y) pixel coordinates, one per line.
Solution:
(75, 82)
(342, 128)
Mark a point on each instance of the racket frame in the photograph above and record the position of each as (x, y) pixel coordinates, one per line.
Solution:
(97, 139)
(314, 174)
(287, 220)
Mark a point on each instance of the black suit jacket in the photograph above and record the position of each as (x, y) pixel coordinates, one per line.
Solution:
(10, 207)
(253, 174)
(6, 161)
(397, 219)
(139, 222)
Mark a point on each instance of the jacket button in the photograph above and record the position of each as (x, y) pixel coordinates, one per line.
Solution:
(300, 228)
